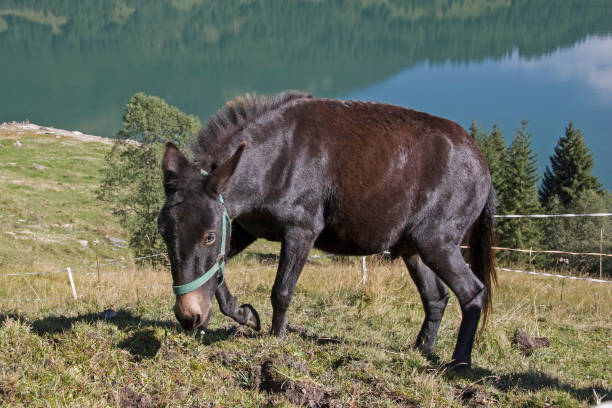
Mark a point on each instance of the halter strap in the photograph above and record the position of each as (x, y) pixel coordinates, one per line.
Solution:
(219, 263)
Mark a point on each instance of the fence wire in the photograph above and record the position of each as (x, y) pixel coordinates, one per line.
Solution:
(545, 274)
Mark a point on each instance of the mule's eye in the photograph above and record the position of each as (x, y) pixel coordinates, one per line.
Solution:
(209, 239)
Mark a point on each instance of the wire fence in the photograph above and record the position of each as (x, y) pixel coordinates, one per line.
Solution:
(553, 215)
(69, 270)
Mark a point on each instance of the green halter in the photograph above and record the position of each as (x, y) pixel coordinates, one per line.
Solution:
(219, 263)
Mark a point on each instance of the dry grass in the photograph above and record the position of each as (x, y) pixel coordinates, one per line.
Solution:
(347, 340)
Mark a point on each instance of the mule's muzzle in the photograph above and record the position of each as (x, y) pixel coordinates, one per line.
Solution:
(192, 311)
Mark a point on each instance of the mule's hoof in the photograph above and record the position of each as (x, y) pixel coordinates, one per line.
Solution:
(423, 349)
(281, 333)
(253, 319)
(456, 366)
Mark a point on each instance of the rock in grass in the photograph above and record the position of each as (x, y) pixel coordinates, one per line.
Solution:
(118, 242)
(38, 167)
(526, 343)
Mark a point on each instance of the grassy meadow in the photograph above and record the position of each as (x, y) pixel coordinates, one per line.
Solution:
(348, 343)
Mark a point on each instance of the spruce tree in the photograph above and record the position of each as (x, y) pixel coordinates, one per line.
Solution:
(497, 158)
(569, 174)
(494, 150)
(476, 132)
(520, 196)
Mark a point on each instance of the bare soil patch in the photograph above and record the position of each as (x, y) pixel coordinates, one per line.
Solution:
(265, 377)
(128, 398)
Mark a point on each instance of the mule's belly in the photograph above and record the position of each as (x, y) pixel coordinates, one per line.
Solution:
(343, 248)
(331, 241)
(261, 225)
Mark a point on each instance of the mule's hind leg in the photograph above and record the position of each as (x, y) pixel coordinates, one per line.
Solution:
(446, 261)
(434, 296)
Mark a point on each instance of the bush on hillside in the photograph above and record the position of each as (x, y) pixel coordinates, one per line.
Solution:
(581, 234)
(132, 177)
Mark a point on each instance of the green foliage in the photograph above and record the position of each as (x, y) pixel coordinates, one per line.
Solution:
(520, 194)
(132, 179)
(514, 175)
(495, 152)
(580, 234)
(570, 172)
(149, 120)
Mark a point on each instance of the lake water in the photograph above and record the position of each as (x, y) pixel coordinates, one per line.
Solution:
(73, 65)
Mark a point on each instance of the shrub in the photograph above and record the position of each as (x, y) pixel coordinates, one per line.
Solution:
(132, 178)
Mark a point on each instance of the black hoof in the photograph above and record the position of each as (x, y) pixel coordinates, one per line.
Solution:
(253, 318)
(424, 350)
(457, 366)
(281, 333)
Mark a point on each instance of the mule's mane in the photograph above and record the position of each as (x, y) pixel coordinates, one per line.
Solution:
(235, 116)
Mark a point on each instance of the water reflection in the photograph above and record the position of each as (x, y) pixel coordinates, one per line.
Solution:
(589, 61)
(548, 91)
(74, 64)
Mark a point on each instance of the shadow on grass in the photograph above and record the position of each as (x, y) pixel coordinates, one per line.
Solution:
(527, 381)
(124, 320)
(141, 343)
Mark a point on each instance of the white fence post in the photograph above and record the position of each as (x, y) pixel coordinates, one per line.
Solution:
(71, 283)
(364, 270)
(600, 253)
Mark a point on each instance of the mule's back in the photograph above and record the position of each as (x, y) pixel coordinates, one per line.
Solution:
(388, 169)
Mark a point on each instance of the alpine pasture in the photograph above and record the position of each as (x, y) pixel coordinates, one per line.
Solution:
(349, 344)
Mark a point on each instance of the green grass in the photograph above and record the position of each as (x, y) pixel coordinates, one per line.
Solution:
(349, 344)
(45, 213)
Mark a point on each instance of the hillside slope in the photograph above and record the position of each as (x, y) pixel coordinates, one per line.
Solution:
(50, 217)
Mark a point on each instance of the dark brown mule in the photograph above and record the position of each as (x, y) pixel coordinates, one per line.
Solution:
(351, 178)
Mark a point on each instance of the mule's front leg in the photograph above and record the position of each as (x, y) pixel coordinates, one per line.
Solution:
(244, 314)
(296, 246)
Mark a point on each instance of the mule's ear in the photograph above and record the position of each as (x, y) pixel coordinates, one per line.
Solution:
(173, 163)
(220, 178)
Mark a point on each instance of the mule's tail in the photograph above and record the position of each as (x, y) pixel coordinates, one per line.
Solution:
(482, 257)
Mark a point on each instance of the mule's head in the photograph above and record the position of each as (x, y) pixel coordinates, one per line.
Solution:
(191, 223)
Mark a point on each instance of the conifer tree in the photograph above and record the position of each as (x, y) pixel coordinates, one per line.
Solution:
(497, 158)
(520, 196)
(476, 132)
(569, 174)
(495, 152)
